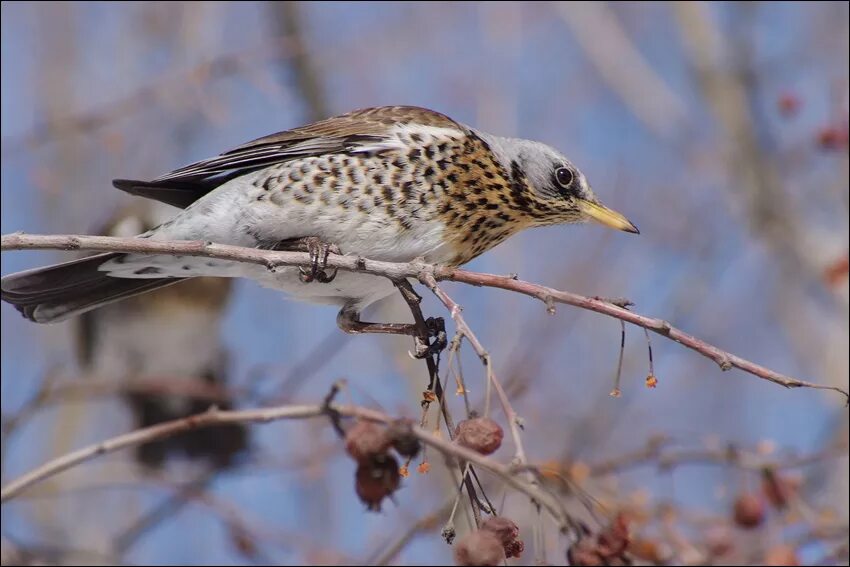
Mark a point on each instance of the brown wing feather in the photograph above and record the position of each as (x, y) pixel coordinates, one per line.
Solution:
(186, 185)
(337, 134)
(364, 122)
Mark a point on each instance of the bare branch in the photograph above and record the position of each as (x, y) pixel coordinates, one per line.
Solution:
(395, 271)
(214, 417)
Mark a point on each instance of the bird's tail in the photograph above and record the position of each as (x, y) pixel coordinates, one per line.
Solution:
(55, 293)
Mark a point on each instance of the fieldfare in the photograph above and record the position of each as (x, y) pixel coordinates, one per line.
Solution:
(393, 183)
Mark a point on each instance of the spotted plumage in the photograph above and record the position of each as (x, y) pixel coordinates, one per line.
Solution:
(390, 183)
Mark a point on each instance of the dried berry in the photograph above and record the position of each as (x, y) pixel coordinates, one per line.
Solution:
(514, 549)
(508, 532)
(366, 440)
(403, 440)
(376, 479)
(749, 511)
(480, 434)
(481, 547)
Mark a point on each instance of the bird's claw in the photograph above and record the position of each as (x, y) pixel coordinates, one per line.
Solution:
(319, 252)
(437, 330)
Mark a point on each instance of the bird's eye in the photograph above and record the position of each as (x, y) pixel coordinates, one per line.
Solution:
(564, 177)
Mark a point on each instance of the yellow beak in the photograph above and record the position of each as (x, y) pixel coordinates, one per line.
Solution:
(605, 216)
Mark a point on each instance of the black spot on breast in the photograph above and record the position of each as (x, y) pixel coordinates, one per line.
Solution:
(415, 154)
(416, 137)
(429, 171)
(429, 152)
(388, 193)
(407, 190)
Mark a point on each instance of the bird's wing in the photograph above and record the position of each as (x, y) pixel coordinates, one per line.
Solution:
(343, 133)
(360, 130)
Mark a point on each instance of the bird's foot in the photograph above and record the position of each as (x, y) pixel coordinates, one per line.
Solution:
(319, 251)
(437, 330)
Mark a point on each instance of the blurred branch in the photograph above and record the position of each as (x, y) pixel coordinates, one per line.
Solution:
(505, 472)
(725, 72)
(626, 72)
(84, 122)
(288, 18)
(399, 271)
(655, 453)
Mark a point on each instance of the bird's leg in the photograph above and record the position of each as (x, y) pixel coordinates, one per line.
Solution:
(349, 321)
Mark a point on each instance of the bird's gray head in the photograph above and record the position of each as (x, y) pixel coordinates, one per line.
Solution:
(559, 190)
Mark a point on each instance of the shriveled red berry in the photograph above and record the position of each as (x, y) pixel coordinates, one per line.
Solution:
(508, 532)
(376, 479)
(749, 511)
(402, 438)
(480, 434)
(481, 547)
(365, 440)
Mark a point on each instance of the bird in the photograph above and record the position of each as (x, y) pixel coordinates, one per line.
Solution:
(180, 325)
(390, 183)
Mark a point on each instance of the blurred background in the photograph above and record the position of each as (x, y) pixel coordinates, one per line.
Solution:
(719, 129)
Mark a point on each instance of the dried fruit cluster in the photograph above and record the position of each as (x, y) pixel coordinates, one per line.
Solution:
(607, 548)
(496, 540)
(369, 444)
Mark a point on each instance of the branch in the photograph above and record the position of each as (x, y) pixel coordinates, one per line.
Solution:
(215, 417)
(395, 271)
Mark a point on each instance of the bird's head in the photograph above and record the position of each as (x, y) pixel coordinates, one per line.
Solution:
(558, 191)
